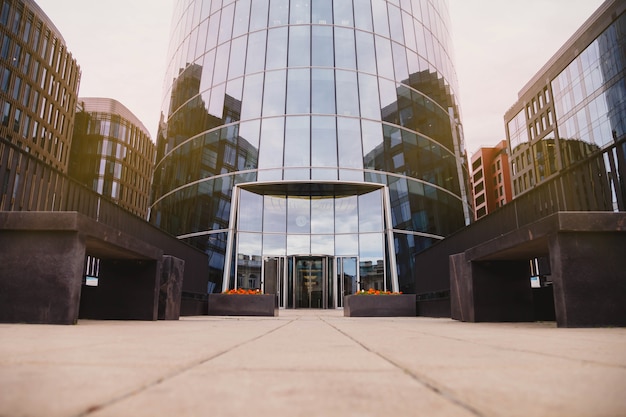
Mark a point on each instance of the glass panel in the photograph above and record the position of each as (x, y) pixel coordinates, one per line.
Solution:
(383, 57)
(242, 17)
(214, 23)
(379, 11)
(322, 218)
(226, 23)
(365, 52)
(349, 143)
(363, 14)
(249, 260)
(250, 211)
(371, 265)
(297, 145)
(346, 216)
(274, 93)
(323, 141)
(249, 132)
(298, 91)
(345, 48)
(252, 90)
(274, 244)
(346, 244)
(322, 12)
(298, 244)
(237, 57)
(400, 62)
(343, 12)
(300, 12)
(299, 46)
(275, 214)
(258, 15)
(372, 134)
(322, 46)
(279, 12)
(276, 48)
(273, 276)
(368, 96)
(309, 283)
(371, 212)
(347, 93)
(323, 91)
(299, 215)
(255, 60)
(272, 131)
(346, 277)
(322, 244)
(395, 24)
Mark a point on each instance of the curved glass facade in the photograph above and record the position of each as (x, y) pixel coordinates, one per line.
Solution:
(322, 135)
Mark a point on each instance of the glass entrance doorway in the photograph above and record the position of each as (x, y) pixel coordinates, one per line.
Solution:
(307, 281)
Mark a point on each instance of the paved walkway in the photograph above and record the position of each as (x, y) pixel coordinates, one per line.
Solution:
(311, 363)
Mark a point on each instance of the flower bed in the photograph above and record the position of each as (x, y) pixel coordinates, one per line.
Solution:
(242, 304)
(381, 304)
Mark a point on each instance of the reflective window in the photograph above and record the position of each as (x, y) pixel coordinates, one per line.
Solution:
(363, 14)
(346, 215)
(237, 57)
(323, 244)
(343, 12)
(299, 46)
(349, 143)
(323, 142)
(298, 91)
(297, 143)
(274, 93)
(219, 71)
(226, 23)
(400, 62)
(347, 97)
(298, 215)
(372, 135)
(214, 24)
(322, 216)
(275, 214)
(255, 60)
(249, 131)
(258, 14)
(345, 48)
(272, 131)
(323, 91)
(279, 12)
(322, 12)
(346, 244)
(298, 244)
(368, 96)
(379, 11)
(252, 90)
(384, 59)
(366, 58)
(322, 46)
(274, 244)
(277, 48)
(242, 17)
(300, 12)
(250, 211)
(371, 212)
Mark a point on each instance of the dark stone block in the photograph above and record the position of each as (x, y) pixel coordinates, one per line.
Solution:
(589, 279)
(172, 272)
(402, 305)
(242, 305)
(40, 276)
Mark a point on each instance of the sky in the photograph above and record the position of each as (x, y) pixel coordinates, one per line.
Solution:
(499, 45)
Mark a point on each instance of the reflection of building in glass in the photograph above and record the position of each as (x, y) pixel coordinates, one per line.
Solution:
(321, 137)
(112, 153)
(573, 108)
(491, 179)
(38, 86)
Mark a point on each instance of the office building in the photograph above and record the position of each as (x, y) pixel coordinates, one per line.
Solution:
(311, 148)
(491, 180)
(573, 109)
(112, 153)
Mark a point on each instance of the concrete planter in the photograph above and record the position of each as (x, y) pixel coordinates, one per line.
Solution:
(402, 305)
(242, 305)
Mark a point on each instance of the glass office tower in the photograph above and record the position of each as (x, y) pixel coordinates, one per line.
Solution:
(311, 148)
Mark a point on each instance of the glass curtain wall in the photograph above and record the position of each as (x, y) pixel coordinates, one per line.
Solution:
(311, 92)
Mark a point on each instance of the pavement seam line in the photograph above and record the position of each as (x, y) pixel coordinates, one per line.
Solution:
(174, 374)
(448, 395)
